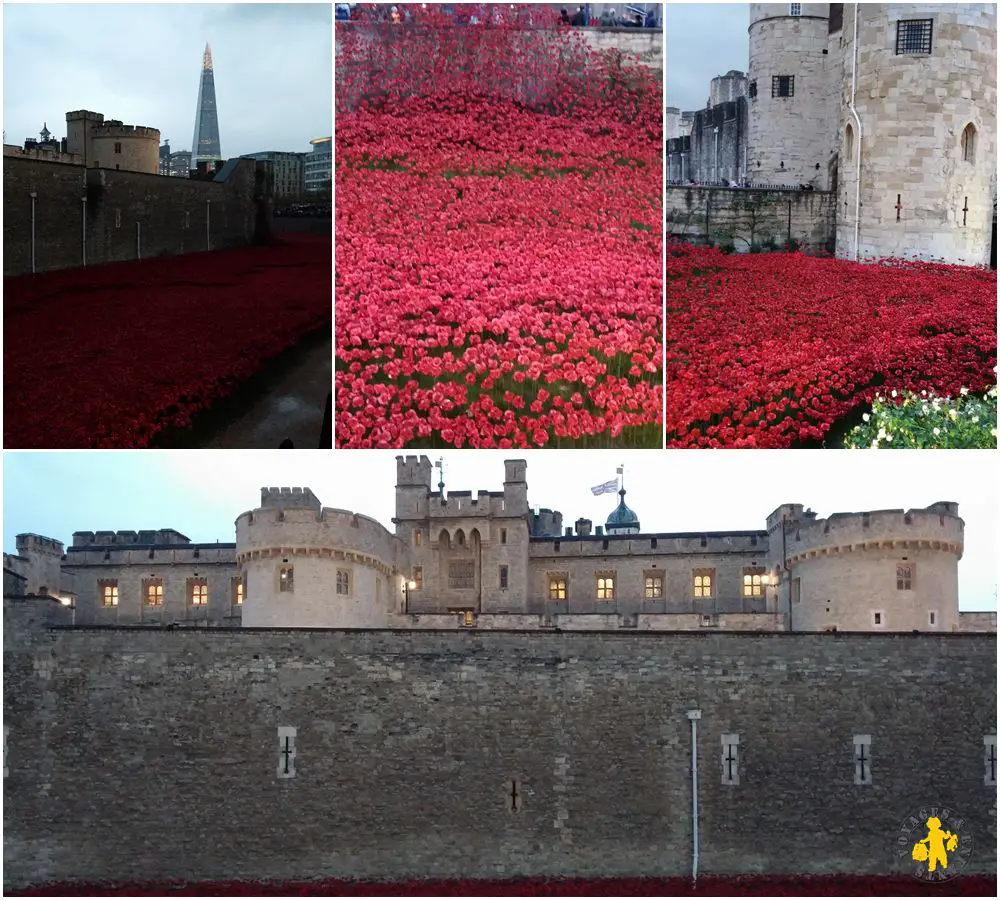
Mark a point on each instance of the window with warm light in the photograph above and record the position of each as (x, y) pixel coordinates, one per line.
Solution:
(418, 577)
(653, 587)
(703, 582)
(606, 586)
(286, 580)
(109, 593)
(753, 582)
(418, 538)
(154, 593)
(239, 592)
(343, 582)
(557, 587)
(198, 592)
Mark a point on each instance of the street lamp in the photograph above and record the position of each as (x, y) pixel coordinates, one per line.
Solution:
(407, 587)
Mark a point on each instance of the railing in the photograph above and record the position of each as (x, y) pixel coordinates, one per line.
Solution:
(743, 185)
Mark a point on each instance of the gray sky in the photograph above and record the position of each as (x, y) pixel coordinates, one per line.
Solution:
(703, 40)
(141, 63)
(200, 493)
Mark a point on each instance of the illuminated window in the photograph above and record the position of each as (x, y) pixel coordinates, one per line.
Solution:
(286, 579)
(198, 592)
(154, 593)
(753, 583)
(557, 587)
(109, 593)
(653, 586)
(703, 582)
(606, 586)
(467, 619)
(418, 538)
(236, 592)
(343, 582)
(904, 578)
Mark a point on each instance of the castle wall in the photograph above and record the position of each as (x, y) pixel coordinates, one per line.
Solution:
(320, 547)
(718, 141)
(130, 570)
(789, 136)
(128, 148)
(913, 111)
(743, 217)
(127, 215)
(409, 746)
(977, 622)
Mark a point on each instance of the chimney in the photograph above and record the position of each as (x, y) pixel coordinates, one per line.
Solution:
(583, 527)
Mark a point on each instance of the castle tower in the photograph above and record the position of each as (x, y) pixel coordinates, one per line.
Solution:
(44, 563)
(205, 146)
(790, 140)
(924, 133)
(622, 520)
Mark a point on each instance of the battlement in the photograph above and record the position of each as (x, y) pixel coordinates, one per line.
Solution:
(461, 504)
(85, 115)
(414, 471)
(114, 128)
(28, 544)
(599, 543)
(938, 527)
(160, 537)
(289, 498)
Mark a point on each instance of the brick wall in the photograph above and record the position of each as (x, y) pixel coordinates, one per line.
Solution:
(173, 215)
(744, 216)
(153, 754)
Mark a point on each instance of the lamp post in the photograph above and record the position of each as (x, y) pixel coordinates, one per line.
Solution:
(407, 587)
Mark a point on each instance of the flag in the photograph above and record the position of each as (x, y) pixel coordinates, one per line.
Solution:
(621, 470)
(609, 487)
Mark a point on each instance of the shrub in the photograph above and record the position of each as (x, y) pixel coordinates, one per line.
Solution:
(966, 422)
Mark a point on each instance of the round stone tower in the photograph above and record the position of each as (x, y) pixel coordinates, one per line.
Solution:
(925, 98)
(890, 570)
(130, 148)
(308, 567)
(790, 139)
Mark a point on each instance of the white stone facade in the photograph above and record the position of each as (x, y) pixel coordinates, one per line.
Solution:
(914, 103)
(927, 133)
(790, 135)
(458, 561)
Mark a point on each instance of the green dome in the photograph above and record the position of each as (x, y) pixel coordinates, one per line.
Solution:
(622, 517)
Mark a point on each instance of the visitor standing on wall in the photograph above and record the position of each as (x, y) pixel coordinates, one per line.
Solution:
(564, 17)
(579, 19)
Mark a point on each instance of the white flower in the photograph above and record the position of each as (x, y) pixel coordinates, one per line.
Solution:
(964, 391)
(881, 434)
(975, 420)
(937, 431)
(923, 393)
(893, 393)
(952, 414)
(866, 417)
(875, 444)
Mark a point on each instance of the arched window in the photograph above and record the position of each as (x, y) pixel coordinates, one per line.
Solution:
(969, 143)
(849, 141)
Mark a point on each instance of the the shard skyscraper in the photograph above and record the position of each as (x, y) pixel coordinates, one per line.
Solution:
(205, 145)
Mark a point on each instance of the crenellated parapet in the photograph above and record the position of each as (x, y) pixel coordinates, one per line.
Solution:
(936, 528)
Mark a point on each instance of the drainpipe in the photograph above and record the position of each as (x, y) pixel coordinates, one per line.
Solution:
(694, 715)
(34, 195)
(83, 233)
(857, 121)
(208, 224)
(138, 240)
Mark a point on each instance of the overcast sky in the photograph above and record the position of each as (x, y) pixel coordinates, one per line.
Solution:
(201, 493)
(703, 40)
(141, 63)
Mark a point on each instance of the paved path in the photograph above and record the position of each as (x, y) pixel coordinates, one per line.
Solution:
(291, 406)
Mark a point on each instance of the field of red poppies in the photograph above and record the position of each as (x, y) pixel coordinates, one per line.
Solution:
(114, 355)
(777, 349)
(499, 234)
(706, 886)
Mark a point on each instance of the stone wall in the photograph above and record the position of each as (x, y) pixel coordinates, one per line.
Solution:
(124, 215)
(154, 754)
(750, 216)
(646, 45)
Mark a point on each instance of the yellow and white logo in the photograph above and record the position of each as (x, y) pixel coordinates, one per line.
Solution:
(935, 843)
